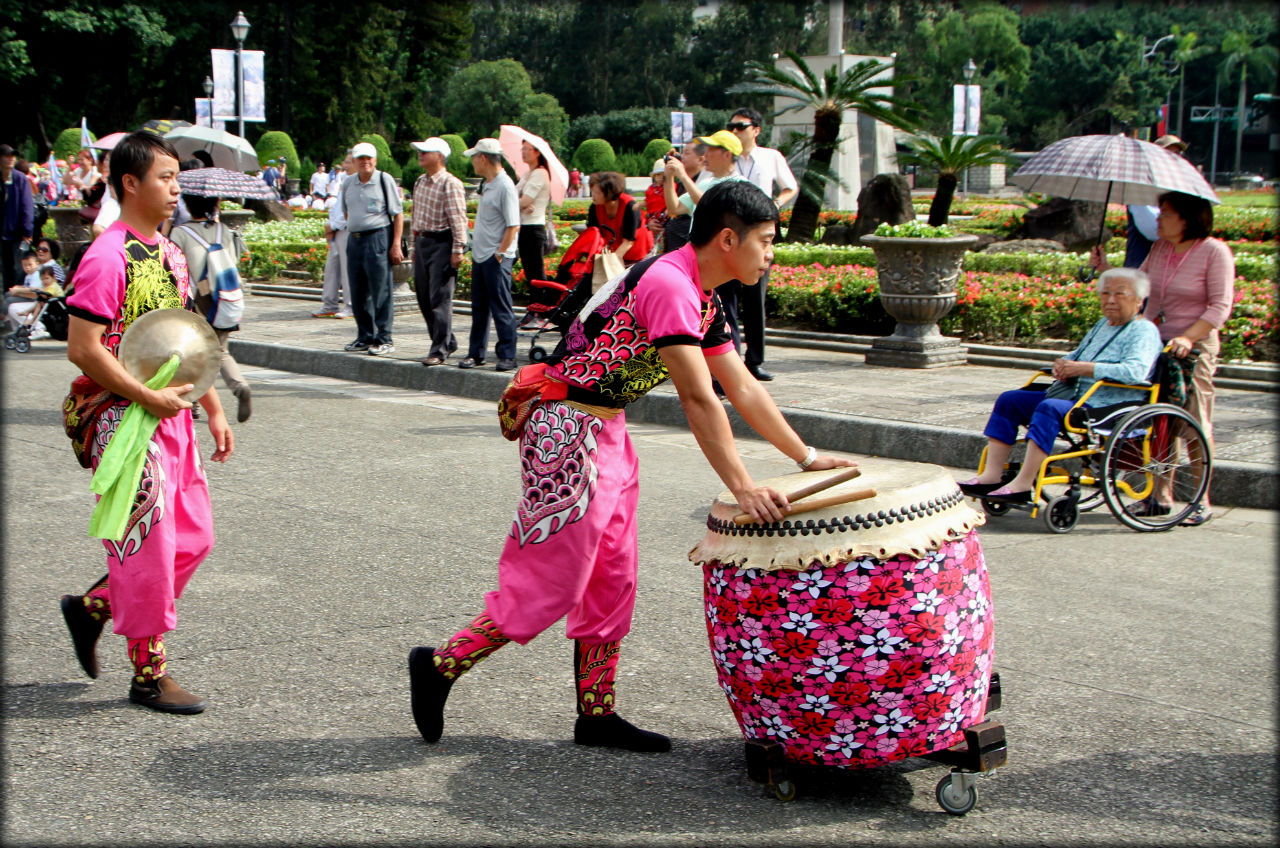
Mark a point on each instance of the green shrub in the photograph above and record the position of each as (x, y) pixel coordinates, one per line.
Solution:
(308, 168)
(67, 145)
(411, 171)
(632, 164)
(276, 144)
(386, 162)
(594, 154)
(457, 164)
(655, 149)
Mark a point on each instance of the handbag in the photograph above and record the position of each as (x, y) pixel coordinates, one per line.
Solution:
(1174, 377)
(607, 266)
(528, 388)
(549, 240)
(81, 410)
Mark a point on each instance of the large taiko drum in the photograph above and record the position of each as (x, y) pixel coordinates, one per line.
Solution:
(854, 635)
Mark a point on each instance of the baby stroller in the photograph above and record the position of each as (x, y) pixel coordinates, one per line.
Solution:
(50, 313)
(557, 302)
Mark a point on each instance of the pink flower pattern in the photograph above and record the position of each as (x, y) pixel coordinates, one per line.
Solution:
(907, 671)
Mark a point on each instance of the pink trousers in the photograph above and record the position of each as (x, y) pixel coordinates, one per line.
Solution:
(572, 546)
(169, 533)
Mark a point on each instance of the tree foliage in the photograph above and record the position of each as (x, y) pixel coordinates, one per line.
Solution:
(950, 156)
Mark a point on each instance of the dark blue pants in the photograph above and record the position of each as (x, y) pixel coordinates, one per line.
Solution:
(369, 270)
(1031, 409)
(491, 295)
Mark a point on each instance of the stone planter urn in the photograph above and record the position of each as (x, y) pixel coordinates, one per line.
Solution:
(73, 230)
(235, 218)
(918, 288)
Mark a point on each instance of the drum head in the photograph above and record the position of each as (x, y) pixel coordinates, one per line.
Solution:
(160, 333)
(917, 508)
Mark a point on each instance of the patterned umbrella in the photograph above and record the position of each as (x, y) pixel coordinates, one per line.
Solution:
(1111, 169)
(161, 126)
(219, 182)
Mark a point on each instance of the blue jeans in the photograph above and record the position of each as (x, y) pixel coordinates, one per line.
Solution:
(1031, 409)
(491, 295)
(369, 272)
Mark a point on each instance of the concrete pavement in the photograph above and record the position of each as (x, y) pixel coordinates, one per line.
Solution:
(357, 520)
(832, 397)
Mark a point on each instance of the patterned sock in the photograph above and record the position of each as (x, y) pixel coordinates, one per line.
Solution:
(148, 659)
(596, 666)
(97, 601)
(468, 646)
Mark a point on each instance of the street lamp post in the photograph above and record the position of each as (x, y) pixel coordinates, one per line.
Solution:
(240, 30)
(680, 101)
(969, 70)
(208, 96)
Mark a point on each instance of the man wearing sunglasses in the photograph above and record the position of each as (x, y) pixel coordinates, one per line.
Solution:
(766, 168)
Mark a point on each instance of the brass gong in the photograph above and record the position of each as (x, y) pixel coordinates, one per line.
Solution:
(157, 335)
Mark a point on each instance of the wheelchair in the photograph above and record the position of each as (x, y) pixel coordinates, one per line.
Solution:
(1148, 461)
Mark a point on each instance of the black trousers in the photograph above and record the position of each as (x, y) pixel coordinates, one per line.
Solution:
(434, 282)
(529, 246)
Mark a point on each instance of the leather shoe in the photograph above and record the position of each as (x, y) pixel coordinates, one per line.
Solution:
(977, 490)
(470, 362)
(244, 404)
(85, 630)
(164, 695)
(505, 365)
(433, 360)
(1010, 497)
(759, 373)
(428, 690)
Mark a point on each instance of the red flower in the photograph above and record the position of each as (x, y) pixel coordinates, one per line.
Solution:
(932, 705)
(776, 684)
(727, 611)
(883, 589)
(795, 646)
(833, 610)
(901, 673)
(925, 627)
(850, 692)
(812, 724)
(760, 603)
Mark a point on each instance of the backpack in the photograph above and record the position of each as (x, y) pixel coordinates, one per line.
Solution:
(220, 282)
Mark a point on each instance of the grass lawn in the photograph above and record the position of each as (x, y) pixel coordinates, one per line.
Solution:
(1264, 198)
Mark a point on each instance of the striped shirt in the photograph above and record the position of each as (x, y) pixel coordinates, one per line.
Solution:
(439, 203)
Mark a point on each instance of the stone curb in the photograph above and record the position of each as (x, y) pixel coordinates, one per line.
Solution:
(1234, 483)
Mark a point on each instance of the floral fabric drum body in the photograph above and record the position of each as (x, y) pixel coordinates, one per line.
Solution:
(854, 635)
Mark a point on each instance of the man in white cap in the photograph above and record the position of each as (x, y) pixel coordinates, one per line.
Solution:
(439, 226)
(493, 253)
(375, 220)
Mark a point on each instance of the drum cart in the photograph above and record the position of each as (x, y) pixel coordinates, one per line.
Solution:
(982, 752)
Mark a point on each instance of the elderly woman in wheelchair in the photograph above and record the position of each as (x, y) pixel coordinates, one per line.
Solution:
(1119, 351)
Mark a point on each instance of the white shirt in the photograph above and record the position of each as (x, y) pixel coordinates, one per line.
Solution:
(109, 211)
(536, 185)
(1144, 218)
(766, 168)
(320, 183)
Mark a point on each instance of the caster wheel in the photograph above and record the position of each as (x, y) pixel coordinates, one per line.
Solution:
(1060, 514)
(995, 509)
(22, 345)
(537, 354)
(785, 790)
(954, 800)
(10, 341)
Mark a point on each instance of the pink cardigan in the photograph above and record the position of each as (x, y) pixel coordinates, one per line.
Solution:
(1199, 284)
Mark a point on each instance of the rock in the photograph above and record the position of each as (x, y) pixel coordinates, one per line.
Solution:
(1074, 223)
(885, 199)
(838, 234)
(269, 210)
(1026, 246)
(984, 241)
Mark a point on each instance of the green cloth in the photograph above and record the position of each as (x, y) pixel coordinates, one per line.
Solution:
(120, 468)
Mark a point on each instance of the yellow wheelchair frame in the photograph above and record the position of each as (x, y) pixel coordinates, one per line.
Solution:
(1124, 470)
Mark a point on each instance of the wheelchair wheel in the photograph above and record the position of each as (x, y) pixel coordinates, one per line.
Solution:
(1060, 514)
(1155, 468)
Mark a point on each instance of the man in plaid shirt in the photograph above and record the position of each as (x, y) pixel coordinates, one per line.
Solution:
(439, 239)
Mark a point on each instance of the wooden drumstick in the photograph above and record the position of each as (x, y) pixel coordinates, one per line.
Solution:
(811, 489)
(813, 504)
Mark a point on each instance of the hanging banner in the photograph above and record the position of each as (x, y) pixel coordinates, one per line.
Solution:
(967, 109)
(204, 113)
(224, 85)
(681, 128)
(255, 88)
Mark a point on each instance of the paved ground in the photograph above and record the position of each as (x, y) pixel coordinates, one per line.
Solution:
(839, 401)
(356, 521)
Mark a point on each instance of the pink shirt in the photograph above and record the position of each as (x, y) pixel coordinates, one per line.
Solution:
(612, 347)
(125, 274)
(1188, 287)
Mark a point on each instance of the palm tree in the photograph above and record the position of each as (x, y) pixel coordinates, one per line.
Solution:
(829, 96)
(1243, 52)
(950, 156)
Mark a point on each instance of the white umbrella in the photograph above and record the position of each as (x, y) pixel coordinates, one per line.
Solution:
(228, 150)
(510, 136)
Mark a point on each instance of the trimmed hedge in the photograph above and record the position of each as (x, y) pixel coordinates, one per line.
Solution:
(594, 154)
(276, 144)
(386, 162)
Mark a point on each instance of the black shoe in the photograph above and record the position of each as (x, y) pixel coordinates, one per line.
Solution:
(470, 362)
(428, 690)
(977, 490)
(244, 405)
(505, 365)
(85, 630)
(1010, 498)
(166, 696)
(613, 731)
(356, 345)
(759, 373)
(1149, 508)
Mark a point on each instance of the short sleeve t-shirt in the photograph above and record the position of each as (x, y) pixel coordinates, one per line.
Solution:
(613, 345)
(125, 275)
(536, 185)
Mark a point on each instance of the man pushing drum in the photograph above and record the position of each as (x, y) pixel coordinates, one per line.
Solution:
(572, 547)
